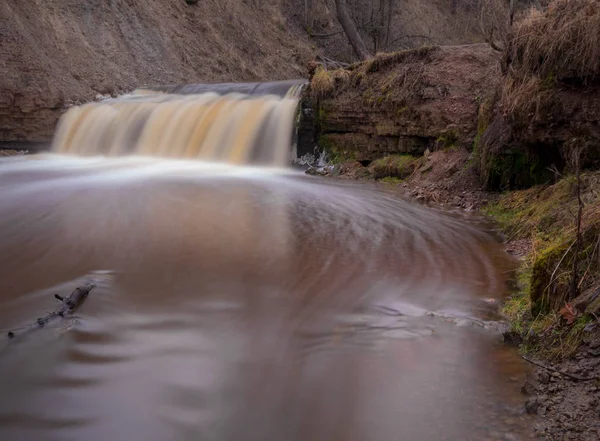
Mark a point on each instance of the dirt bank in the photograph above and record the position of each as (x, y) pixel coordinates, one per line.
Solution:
(566, 396)
(406, 102)
(444, 177)
(55, 53)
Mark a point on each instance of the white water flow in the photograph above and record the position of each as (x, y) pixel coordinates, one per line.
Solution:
(233, 128)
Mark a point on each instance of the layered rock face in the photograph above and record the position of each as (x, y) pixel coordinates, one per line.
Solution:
(55, 53)
(408, 102)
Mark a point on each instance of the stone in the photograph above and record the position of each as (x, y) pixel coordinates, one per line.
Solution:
(528, 388)
(544, 377)
(531, 406)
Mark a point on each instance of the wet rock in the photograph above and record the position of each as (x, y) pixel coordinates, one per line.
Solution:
(544, 377)
(532, 405)
(318, 171)
(512, 338)
(528, 389)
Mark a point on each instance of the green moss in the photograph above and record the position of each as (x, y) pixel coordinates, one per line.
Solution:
(512, 169)
(393, 166)
(545, 215)
(335, 152)
(392, 180)
(517, 309)
(448, 140)
(484, 119)
(548, 285)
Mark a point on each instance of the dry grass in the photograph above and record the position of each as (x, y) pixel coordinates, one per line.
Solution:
(323, 84)
(523, 98)
(396, 87)
(384, 60)
(562, 42)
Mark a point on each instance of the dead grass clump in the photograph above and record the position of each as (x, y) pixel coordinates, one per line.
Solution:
(341, 76)
(383, 60)
(324, 82)
(563, 42)
(523, 98)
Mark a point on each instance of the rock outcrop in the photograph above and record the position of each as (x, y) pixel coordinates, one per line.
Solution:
(406, 102)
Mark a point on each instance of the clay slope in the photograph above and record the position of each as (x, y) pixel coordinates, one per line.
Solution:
(57, 52)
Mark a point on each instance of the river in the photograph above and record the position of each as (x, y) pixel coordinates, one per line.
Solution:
(246, 303)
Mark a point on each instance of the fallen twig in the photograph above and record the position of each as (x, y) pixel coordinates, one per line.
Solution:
(566, 374)
(67, 306)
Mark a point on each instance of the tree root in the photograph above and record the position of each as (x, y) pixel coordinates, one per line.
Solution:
(565, 374)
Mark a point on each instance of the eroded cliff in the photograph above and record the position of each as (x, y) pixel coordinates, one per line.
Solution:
(54, 53)
(405, 102)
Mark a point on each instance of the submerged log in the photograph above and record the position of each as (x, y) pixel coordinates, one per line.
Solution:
(67, 306)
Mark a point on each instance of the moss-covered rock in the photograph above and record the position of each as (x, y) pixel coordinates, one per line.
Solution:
(546, 216)
(393, 166)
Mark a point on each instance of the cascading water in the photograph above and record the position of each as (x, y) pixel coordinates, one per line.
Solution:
(238, 128)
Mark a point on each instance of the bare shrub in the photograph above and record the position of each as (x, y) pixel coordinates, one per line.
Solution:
(494, 22)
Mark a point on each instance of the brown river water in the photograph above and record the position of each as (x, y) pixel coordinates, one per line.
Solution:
(246, 304)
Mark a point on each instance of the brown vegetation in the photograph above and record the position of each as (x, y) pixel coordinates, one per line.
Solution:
(561, 43)
(549, 97)
(547, 48)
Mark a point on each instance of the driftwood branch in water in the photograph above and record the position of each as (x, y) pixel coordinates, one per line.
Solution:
(67, 306)
(566, 374)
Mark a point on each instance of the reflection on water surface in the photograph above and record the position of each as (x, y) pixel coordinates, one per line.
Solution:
(240, 303)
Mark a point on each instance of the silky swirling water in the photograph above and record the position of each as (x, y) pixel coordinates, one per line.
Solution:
(244, 303)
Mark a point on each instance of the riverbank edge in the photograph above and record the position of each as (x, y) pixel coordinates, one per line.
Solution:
(563, 344)
(563, 390)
